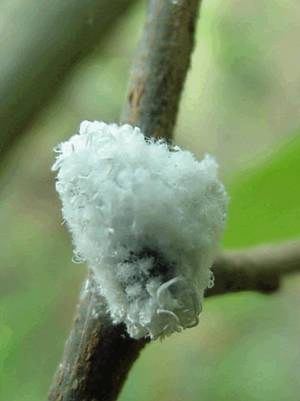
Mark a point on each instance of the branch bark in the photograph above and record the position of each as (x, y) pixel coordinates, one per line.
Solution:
(160, 67)
(43, 41)
(98, 355)
(259, 269)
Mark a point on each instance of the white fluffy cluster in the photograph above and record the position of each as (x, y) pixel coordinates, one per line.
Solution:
(146, 218)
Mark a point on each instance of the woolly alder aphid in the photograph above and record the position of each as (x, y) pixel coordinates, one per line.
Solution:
(146, 218)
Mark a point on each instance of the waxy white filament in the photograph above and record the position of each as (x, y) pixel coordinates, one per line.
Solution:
(146, 218)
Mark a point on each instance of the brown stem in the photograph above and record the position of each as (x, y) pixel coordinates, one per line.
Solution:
(160, 68)
(255, 269)
(98, 355)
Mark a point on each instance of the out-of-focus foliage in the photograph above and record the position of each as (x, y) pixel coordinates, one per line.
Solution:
(242, 94)
(240, 103)
(265, 202)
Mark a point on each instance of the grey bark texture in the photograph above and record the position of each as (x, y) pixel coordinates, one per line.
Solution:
(41, 42)
(259, 269)
(98, 355)
(159, 71)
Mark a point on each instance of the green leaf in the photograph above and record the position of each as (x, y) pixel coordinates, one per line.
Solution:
(265, 200)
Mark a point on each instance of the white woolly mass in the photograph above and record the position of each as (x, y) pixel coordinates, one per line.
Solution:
(146, 217)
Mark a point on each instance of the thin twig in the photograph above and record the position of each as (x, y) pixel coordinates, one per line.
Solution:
(161, 64)
(98, 355)
(258, 269)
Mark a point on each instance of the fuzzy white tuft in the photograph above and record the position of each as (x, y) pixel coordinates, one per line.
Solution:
(146, 218)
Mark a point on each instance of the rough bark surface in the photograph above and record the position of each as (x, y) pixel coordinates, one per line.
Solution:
(98, 355)
(159, 71)
(259, 269)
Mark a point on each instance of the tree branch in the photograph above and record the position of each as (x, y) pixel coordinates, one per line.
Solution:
(160, 67)
(40, 49)
(99, 355)
(255, 269)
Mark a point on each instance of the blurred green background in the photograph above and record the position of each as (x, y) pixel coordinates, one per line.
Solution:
(241, 103)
